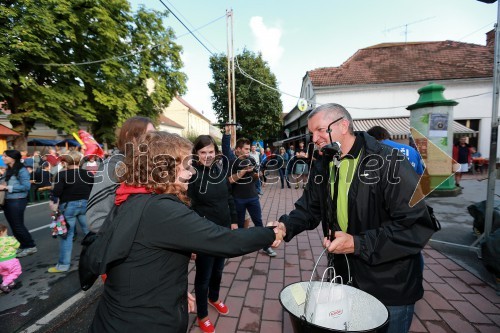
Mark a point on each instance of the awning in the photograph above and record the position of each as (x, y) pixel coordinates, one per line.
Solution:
(42, 142)
(70, 142)
(399, 127)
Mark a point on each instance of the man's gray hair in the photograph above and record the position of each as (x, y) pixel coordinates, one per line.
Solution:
(333, 110)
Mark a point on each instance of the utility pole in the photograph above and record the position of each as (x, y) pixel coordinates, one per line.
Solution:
(231, 91)
(488, 215)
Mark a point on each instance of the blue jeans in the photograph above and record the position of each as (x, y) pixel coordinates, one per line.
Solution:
(14, 213)
(400, 318)
(207, 281)
(73, 211)
(253, 207)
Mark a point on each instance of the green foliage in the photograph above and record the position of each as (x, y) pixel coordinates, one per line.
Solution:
(36, 35)
(258, 108)
(444, 142)
(191, 136)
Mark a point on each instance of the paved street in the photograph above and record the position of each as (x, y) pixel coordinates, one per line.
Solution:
(40, 291)
(459, 292)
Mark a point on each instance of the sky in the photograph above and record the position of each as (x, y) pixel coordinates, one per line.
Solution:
(297, 36)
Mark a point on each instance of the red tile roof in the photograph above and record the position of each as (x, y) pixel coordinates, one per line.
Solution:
(409, 62)
(5, 131)
(169, 122)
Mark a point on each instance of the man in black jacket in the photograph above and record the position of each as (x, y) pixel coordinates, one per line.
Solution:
(361, 193)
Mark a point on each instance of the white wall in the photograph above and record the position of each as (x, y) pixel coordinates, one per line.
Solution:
(171, 129)
(362, 101)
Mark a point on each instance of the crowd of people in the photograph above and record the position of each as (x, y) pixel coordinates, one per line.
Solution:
(171, 201)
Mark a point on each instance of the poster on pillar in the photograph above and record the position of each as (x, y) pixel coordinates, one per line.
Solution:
(438, 125)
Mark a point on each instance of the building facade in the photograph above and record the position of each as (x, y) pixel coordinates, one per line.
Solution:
(380, 81)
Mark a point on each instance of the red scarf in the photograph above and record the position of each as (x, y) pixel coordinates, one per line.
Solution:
(125, 190)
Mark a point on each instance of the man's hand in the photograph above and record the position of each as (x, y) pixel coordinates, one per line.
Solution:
(241, 173)
(234, 226)
(227, 129)
(280, 228)
(342, 244)
(191, 301)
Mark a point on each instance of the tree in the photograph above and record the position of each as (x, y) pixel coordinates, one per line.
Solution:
(258, 108)
(38, 36)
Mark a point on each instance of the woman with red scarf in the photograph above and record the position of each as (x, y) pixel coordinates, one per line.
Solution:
(147, 291)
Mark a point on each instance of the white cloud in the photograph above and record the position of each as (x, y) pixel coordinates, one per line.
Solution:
(267, 40)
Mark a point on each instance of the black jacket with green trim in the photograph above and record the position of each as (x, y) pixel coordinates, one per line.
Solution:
(388, 233)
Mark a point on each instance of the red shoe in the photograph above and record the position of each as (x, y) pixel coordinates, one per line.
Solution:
(206, 326)
(220, 307)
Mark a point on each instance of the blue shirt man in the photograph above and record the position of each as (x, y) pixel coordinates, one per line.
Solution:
(411, 154)
(382, 135)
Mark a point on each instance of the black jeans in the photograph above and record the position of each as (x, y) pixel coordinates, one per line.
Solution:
(14, 213)
(207, 281)
(283, 177)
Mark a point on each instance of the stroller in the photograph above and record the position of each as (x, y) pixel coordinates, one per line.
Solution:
(490, 246)
(477, 211)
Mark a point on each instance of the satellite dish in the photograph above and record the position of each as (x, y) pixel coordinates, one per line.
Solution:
(302, 104)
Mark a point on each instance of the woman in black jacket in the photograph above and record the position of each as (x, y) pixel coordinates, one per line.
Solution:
(147, 291)
(210, 194)
(71, 191)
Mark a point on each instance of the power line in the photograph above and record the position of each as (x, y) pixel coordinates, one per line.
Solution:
(192, 26)
(347, 107)
(259, 82)
(178, 19)
(128, 54)
(489, 24)
(404, 106)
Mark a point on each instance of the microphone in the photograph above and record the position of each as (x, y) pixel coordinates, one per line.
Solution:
(332, 149)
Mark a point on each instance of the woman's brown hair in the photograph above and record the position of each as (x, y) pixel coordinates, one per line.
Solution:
(131, 129)
(201, 142)
(154, 161)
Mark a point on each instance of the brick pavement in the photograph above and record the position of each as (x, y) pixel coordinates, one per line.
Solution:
(454, 299)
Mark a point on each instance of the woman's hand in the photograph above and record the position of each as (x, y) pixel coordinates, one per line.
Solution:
(234, 226)
(53, 206)
(191, 301)
(3, 187)
(279, 230)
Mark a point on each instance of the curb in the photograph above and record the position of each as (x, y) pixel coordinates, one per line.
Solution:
(52, 320)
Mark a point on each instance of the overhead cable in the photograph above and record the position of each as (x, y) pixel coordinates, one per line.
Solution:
(178, 19)
(347, 107)
(128, 54)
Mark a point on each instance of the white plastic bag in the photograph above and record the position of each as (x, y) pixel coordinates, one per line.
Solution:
(333, 308)
(330, 305)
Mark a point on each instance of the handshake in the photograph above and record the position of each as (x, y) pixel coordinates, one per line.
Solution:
(279, 230)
